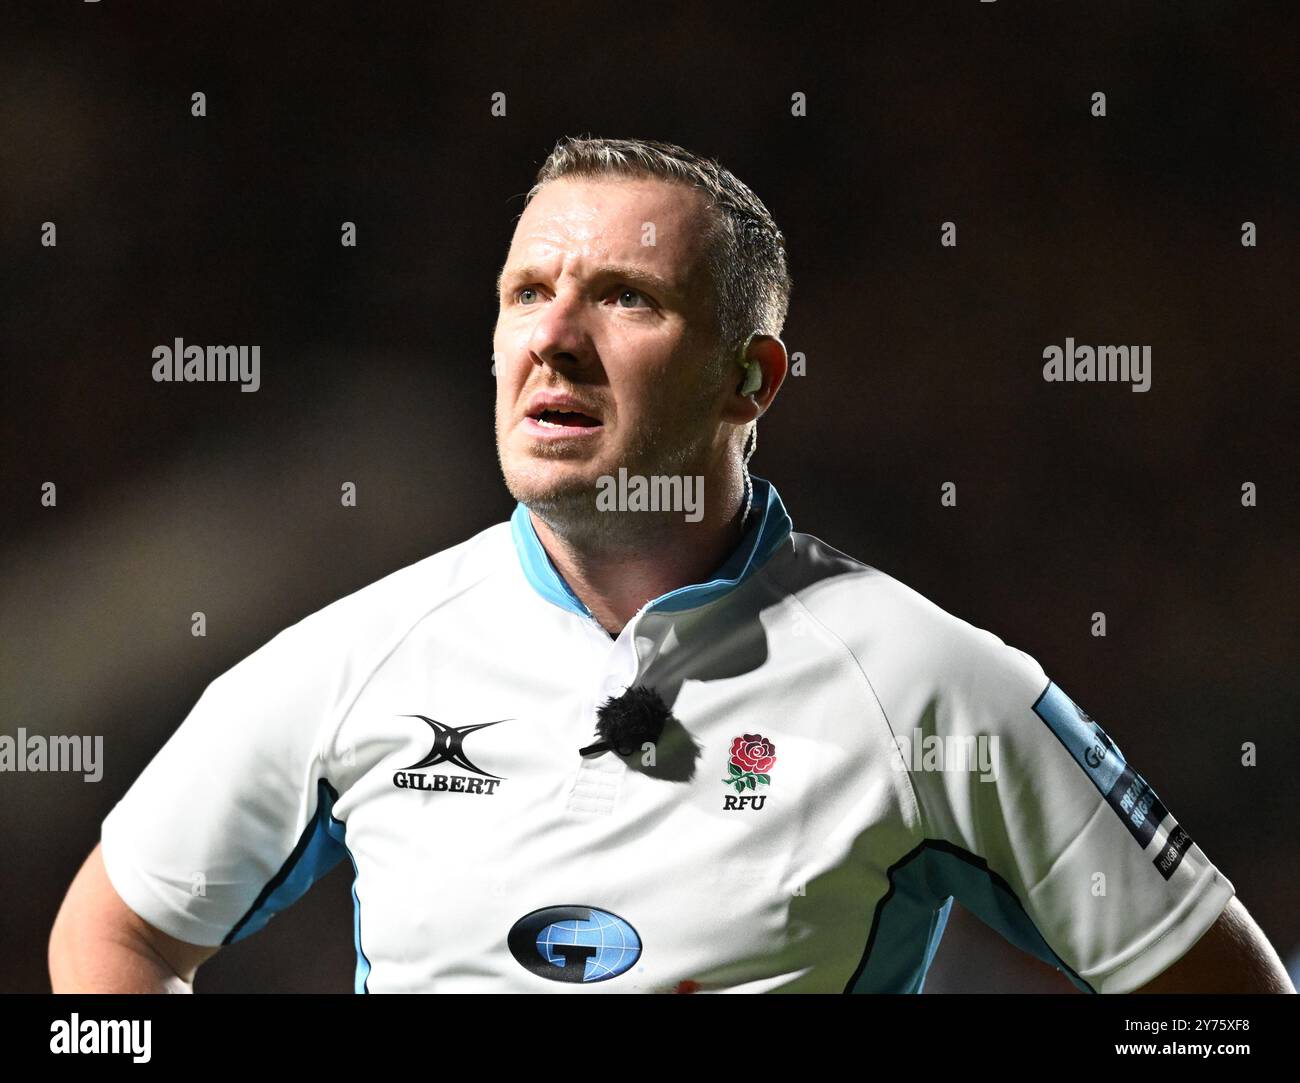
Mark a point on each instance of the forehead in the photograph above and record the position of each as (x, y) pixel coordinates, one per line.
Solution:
(647, 221)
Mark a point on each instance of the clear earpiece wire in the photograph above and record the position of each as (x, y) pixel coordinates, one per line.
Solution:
(752, 442)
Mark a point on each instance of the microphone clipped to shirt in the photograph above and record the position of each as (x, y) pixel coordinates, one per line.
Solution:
(627, 721)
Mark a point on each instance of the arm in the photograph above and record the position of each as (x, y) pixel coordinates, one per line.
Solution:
(100, 945)
(1234, 956)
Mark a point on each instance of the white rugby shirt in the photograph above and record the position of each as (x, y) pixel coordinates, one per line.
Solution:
(773, 840)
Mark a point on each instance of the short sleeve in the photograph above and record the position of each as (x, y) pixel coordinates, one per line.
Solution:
(231, 821)
(1047, 833)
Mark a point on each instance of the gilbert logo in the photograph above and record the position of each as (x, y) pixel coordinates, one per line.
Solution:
(448, 742)
(752, 757)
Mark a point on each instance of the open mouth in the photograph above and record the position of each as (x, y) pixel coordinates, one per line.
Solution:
(565, 419)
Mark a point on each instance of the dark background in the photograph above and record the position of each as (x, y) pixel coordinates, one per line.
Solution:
(923, 362)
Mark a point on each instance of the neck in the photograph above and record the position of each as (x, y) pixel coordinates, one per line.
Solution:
(649, 554)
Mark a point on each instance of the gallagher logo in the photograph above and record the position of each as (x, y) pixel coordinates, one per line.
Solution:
(574, 944)
(448, 742)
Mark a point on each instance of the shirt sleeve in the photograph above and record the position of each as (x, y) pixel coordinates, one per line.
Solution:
(1047, 833)
(231, 820)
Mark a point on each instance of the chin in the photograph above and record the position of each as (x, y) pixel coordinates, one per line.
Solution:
(542, 484)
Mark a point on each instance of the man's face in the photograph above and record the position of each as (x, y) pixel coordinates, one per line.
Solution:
(606, 346)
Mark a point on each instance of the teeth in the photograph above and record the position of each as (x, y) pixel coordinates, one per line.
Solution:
(564, 421)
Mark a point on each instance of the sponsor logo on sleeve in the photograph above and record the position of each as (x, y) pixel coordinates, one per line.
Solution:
(1126, 791)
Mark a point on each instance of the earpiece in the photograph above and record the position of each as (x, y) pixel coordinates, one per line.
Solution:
(753, 378)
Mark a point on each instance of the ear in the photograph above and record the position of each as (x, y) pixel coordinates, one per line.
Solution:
(767, 355)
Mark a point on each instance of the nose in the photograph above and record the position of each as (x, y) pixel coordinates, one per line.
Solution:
(560, 337)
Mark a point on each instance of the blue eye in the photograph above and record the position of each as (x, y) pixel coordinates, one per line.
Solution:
(628, 290)
(623, 291)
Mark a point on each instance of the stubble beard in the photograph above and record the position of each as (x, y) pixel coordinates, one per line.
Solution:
(568, 504)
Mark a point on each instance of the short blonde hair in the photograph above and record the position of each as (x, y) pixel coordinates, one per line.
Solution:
(746, 251)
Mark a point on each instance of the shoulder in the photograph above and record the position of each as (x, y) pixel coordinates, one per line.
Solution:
(911, 649)
(866, 605)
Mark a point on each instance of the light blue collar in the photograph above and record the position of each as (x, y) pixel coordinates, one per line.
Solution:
(769, 526)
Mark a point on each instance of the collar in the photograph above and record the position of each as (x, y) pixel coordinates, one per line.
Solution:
(769, 527)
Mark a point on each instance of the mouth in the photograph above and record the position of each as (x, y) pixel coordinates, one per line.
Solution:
(564, 419)
(560, 418)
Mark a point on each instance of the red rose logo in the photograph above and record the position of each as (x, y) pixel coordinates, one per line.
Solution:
(752, 757)
(753, 753)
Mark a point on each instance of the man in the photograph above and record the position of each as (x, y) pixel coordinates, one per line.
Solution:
(639, 741)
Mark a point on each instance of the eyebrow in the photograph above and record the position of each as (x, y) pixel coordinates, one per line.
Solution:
(636, 276)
